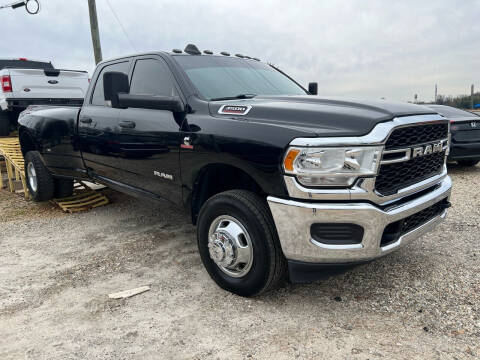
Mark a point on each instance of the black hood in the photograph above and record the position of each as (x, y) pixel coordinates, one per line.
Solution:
(319, 116)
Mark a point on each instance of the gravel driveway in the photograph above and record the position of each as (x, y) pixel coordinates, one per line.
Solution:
(56, 270)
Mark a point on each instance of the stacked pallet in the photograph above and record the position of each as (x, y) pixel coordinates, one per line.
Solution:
(13, 164)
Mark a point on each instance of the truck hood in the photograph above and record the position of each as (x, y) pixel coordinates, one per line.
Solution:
(320, 116)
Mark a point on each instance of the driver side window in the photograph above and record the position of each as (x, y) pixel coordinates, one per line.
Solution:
(152, 77)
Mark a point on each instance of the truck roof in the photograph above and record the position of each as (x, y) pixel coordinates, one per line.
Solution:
(189, 50)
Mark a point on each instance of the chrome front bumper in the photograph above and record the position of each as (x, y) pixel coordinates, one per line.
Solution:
(294, 218)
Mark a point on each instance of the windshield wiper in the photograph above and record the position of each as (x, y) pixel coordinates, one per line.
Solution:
(240, 96)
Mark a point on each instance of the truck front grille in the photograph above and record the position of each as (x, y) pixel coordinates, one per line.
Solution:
(395, 176)
(412, 135)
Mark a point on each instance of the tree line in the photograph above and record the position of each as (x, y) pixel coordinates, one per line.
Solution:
(460, 101)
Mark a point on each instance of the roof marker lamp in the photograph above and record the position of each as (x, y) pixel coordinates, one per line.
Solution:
(332, 166)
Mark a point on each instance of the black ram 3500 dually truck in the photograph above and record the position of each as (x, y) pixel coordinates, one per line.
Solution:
(276, 179)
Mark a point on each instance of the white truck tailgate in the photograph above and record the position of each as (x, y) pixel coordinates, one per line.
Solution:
(39, 83)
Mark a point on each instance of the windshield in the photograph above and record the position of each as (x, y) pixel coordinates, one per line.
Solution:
(451, 112)
(218, 77)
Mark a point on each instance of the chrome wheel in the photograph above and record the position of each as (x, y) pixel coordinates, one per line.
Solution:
(230, 246)
(32, 177)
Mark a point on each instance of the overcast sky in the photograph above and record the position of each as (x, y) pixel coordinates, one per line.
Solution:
(360, 48)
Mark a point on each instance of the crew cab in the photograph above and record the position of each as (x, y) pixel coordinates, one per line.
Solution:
(29, 82)
(275, 178)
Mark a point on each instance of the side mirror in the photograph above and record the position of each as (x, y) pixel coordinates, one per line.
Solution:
(313, 88)
(154, 102)
(115, 83)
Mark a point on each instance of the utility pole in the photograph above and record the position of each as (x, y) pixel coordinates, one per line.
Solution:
(472, 90)
(97, 47)
(436, 93)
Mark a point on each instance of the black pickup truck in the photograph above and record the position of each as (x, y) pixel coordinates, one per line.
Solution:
(276, 179)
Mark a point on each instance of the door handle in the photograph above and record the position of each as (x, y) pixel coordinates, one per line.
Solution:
(127, 124)
(86, 120)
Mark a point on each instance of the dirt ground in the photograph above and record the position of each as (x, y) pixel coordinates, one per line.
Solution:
(422, 302)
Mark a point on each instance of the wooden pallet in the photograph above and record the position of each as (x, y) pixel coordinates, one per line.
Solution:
(12, 156)
(3, 170)
(83, 199)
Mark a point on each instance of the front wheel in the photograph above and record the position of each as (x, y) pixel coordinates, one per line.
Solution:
(468, 162)
(39, 180)
(238, 243)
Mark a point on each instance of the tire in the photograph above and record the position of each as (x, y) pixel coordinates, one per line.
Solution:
(245, 211)
(63, 188)
(468, 162)
(39, 180)
(4, 123)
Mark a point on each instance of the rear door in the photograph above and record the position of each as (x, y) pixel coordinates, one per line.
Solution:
(98, 128)
(150, 139)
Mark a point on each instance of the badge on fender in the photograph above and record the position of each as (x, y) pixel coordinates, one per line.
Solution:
(235, 109)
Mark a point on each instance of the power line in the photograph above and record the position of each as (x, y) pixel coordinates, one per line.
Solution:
(121, 25)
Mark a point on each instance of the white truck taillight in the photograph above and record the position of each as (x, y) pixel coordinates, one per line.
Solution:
(6, 83)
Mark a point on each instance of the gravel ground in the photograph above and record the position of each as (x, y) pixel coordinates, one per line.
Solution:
(56, 270)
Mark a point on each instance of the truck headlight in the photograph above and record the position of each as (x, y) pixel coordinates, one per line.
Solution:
(332, 166)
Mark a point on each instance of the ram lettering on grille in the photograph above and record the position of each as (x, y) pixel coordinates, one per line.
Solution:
(412, 154)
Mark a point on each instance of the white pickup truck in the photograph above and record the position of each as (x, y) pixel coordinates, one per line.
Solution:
(26, 82)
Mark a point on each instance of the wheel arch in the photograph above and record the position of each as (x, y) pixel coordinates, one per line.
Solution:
(215, 178)
(27, 142)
